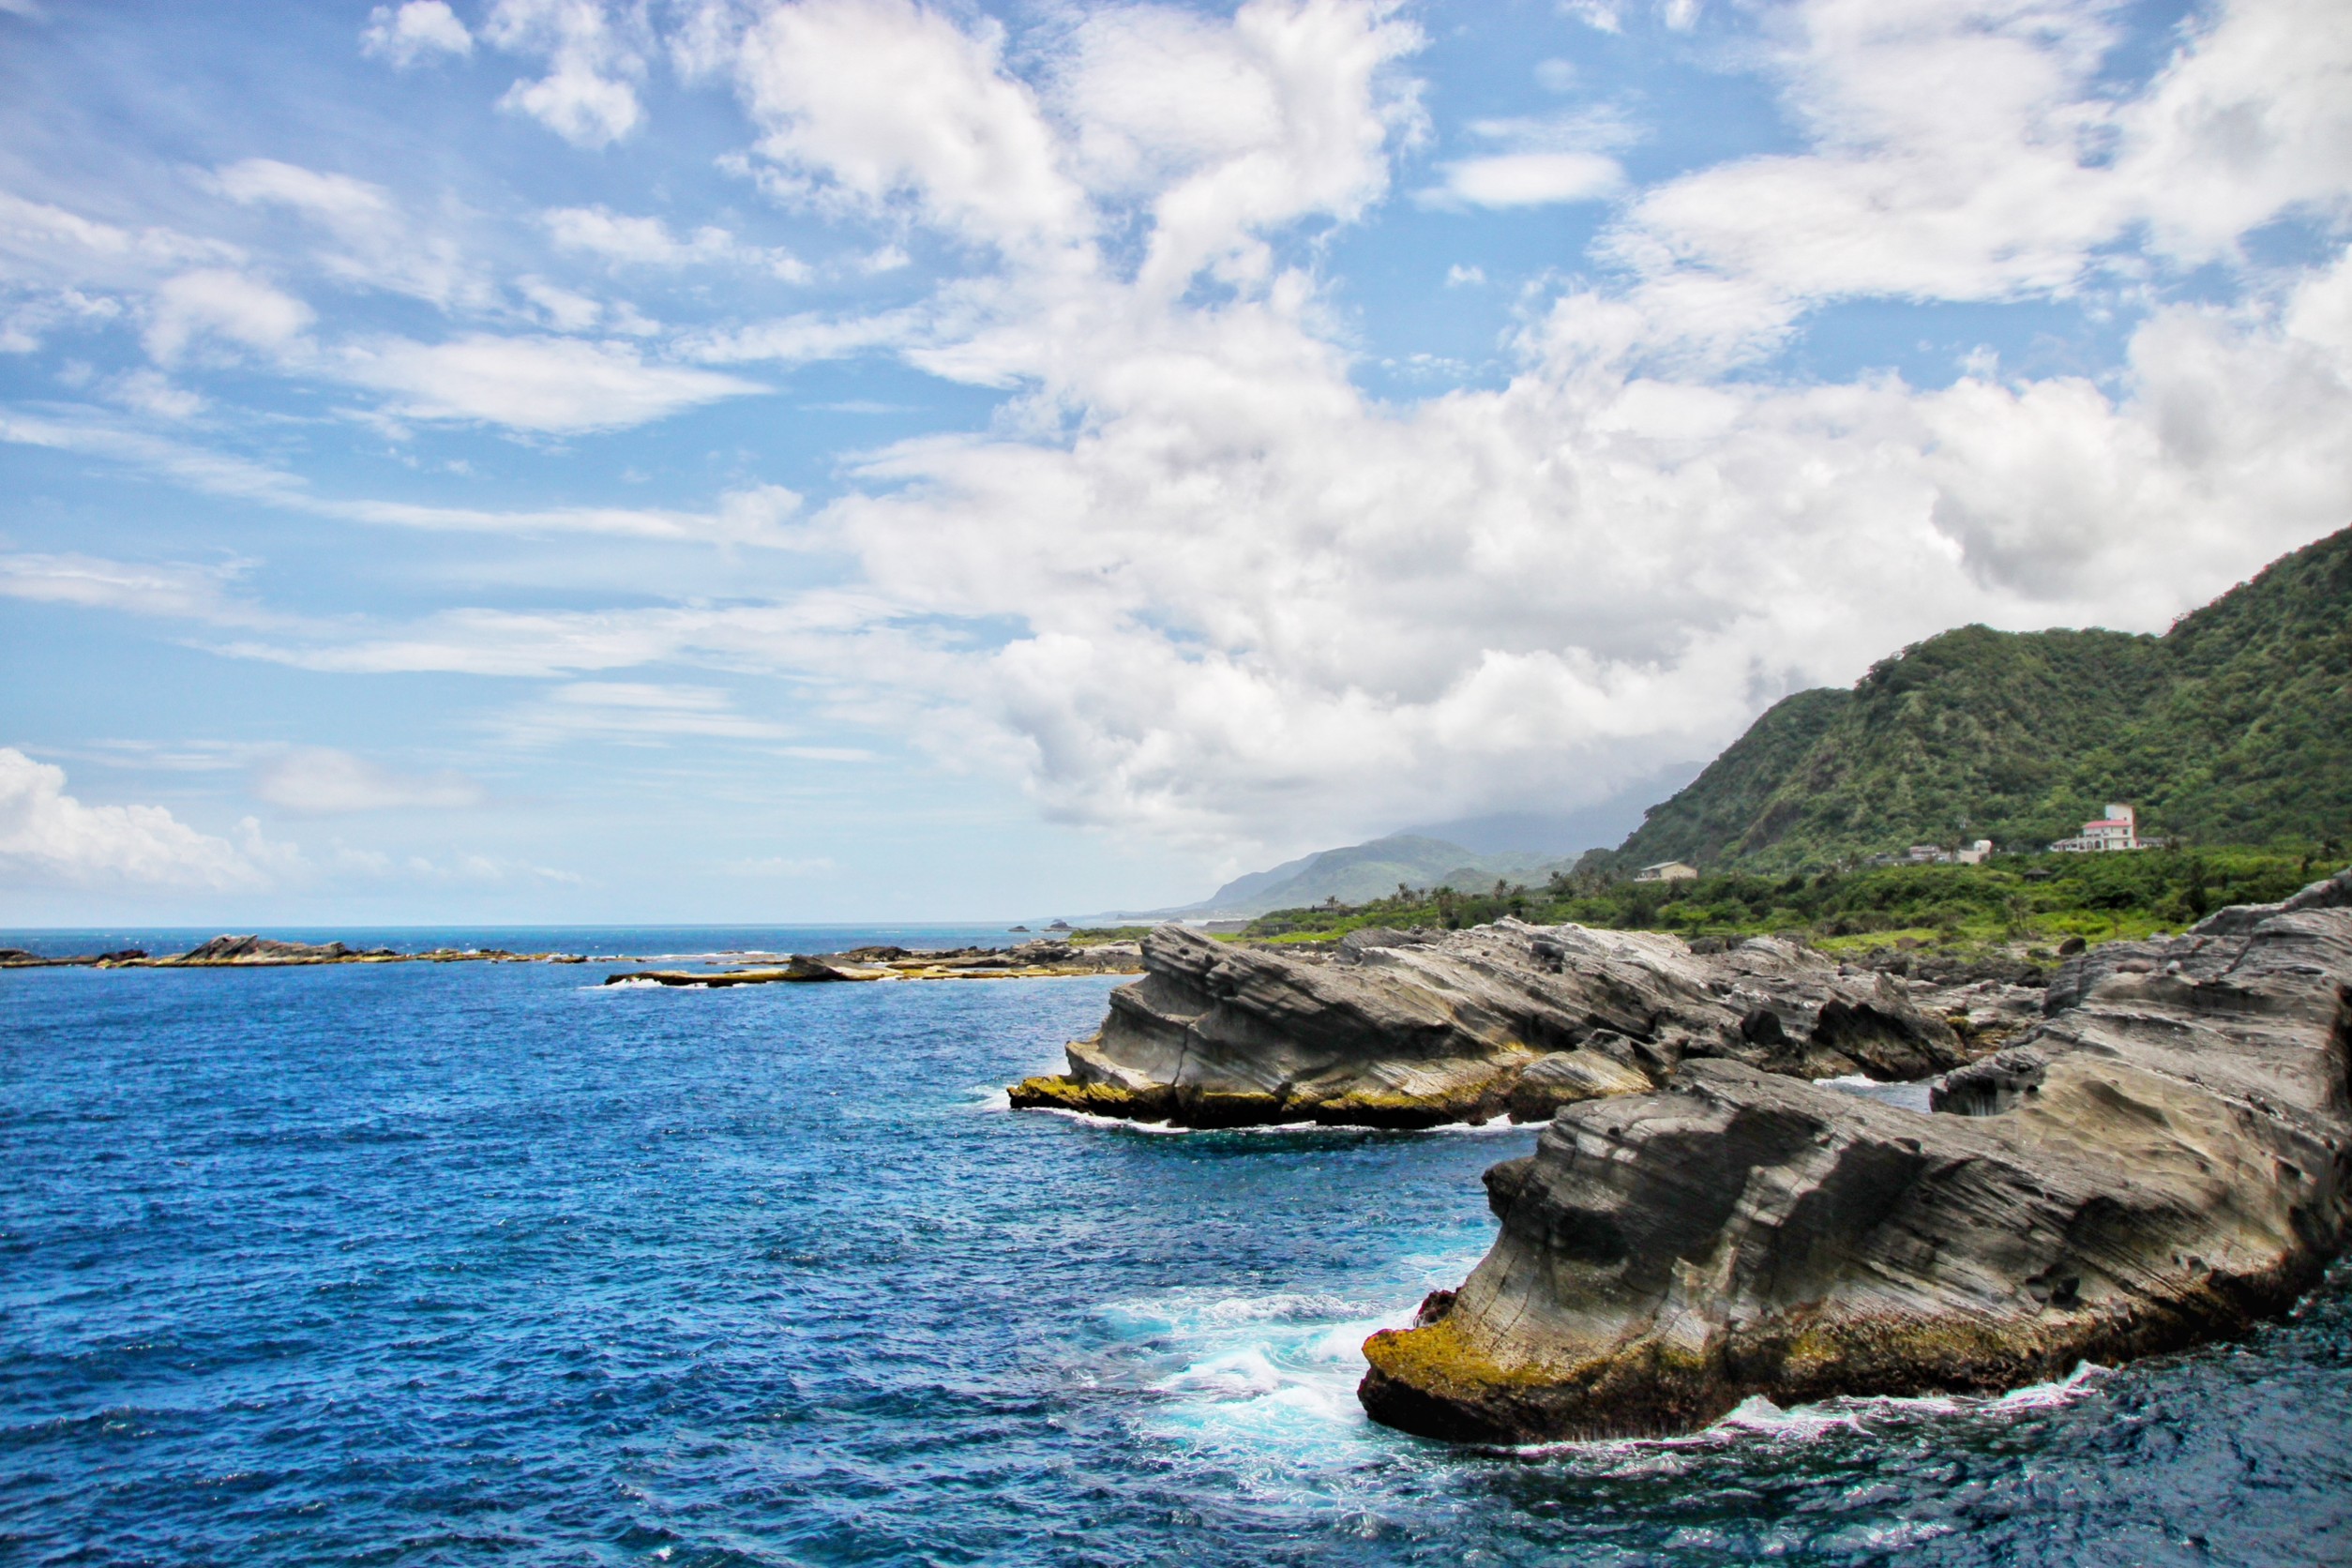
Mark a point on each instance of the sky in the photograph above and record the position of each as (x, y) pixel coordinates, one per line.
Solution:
(844, 459)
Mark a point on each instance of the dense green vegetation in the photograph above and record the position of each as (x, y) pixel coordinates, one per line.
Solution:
(2011, 899)
(2233, 728)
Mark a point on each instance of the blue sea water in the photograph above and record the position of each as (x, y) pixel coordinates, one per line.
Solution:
(491, 1264)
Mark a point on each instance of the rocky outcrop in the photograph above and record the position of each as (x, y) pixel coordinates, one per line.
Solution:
(1417, 1028)
(2164, 1157)
(1031, 960)
(267, 950)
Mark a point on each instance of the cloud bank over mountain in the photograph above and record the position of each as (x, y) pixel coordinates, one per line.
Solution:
(1196, 562)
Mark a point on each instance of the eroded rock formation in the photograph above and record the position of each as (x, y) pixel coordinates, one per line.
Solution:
(2163, 1158)
(1413, 1030)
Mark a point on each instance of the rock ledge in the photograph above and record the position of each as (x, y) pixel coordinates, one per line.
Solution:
(2165, 1158)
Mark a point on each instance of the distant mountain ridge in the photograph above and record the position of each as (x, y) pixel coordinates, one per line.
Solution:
(1359, 872)
(2233, 727)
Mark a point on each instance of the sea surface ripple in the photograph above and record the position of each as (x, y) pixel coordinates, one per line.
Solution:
(488, 1264)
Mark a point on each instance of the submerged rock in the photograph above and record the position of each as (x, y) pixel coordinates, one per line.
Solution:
(1417, 1028)
(2164, 1158)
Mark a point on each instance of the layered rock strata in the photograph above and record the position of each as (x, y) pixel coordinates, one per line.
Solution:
(1418, 1028)
(2165, 1157)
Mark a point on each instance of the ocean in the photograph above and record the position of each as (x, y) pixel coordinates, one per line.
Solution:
(426, 1264)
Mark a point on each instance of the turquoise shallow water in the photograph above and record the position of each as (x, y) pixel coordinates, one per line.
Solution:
(488, 1264)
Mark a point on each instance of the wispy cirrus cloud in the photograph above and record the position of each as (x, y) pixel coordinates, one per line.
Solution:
(756, 515)
(557, 386)
(318, 780)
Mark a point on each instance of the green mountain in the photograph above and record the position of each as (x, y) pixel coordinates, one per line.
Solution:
(2235, 726)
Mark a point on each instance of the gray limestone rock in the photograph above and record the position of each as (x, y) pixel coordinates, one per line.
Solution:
(2164, 1157)
(1417, 1028)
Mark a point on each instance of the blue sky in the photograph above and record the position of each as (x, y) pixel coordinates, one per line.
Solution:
(730, 460)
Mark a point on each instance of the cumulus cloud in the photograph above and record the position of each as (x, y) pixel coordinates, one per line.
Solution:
(414, 30)
(882, 98)
(1245, 593)
(50, 835)
(558, 385)
(1193, 580)
(594, 58)
(320, 780)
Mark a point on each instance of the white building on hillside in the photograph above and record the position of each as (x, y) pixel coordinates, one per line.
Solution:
(1667, 870)
(2119, 829)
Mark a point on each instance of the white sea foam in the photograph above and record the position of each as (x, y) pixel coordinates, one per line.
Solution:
(1267, 1382)
(1757, 1419)
(1163, 1129)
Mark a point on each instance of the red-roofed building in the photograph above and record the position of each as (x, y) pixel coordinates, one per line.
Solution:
(2119, 829)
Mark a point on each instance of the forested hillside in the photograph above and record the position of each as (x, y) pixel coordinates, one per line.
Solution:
(2233, 728)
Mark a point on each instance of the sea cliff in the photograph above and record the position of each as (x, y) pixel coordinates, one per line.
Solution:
(1415, 1029)
(2164, 1157)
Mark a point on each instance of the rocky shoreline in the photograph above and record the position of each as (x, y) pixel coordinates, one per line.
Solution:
(1031, 960)
(1417, 1028)
(1038, 959)
(256, 952)
(2163, 1158)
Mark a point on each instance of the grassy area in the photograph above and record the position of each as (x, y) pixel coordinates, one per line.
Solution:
(2008, 899)
(1094, 936)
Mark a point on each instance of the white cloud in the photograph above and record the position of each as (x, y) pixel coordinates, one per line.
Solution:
(1964, 150)
(882, 98)
(169, 589)
(1533, 179)
(1230, 128)
(2253, 118)
(558, 385)
(414, 30)
(594, 56)
(1192, 579)
(323, 781)
(648, 242)
(343, 203)
(145, 392)
(221, 305)
(755, 515)
(48, 835)
(633, 712)
(377, 244)
(784, 866)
